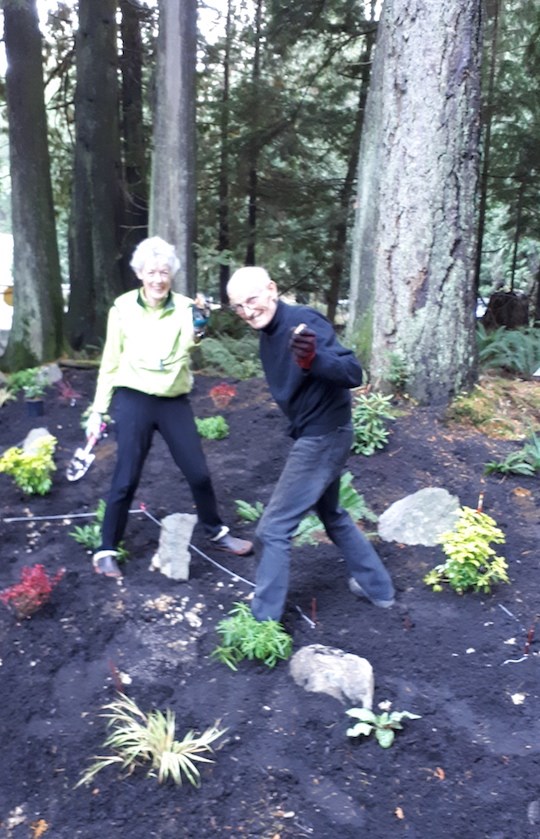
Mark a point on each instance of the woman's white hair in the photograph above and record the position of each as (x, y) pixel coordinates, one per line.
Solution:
(154, 250)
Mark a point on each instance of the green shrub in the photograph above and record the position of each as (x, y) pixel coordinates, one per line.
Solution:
(369, 416)
(245, 637)
(212, 428)
(515, 350)
(31, 470)
(471, 561)
(31, 381)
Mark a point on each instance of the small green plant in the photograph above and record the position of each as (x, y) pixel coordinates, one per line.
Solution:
(212, 428)
(229, 356)
(31, 381)
(311, 529)
(89, 535)
(471, 561)
(383, 725)
(245, 637)
(247, 511)
(526, 461)
(138, 738)
(369, 416)
(31, 470)
(397, 373)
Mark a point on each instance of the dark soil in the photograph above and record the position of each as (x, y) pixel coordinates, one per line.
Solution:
(285, 769)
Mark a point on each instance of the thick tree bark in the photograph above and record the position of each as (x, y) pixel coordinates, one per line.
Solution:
(412, 282)
(97, 212)
(172, 201)
(253, 152)
(135, 158)
(224, 241)
(36, 333)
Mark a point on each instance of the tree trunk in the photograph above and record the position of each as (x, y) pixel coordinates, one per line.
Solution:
(97, 211)
(36, 333)
(412, 282)
(135, 159)
(253, 152)
(339, 243)
(172, 201)
(224, 242)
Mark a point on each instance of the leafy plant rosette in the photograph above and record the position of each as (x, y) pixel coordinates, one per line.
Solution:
(369, 417)
(384, 725)
(139, 739)
(245, 637)
(31, 470)
(471, 561)
(212, 428)
(32, 592)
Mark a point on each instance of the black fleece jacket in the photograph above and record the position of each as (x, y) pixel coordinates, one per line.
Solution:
(317, 401)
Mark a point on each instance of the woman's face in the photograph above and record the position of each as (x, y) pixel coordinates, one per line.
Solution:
(156, 280)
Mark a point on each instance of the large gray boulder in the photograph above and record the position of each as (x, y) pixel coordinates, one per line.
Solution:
(421, 518)
(173, 556)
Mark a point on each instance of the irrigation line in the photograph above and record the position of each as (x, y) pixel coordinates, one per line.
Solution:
(143, 510)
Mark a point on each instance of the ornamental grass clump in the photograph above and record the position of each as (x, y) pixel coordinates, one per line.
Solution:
(139, 739)
(31, 470)
(245, 637)
(384, 725)
(471, 561)
(33, 591)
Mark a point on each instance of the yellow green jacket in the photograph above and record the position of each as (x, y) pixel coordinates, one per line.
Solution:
(146, 349)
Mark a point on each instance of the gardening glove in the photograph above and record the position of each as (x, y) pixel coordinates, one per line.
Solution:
(94, 425)
(303, 345)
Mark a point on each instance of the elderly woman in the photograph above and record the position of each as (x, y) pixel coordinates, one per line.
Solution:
(145, 372)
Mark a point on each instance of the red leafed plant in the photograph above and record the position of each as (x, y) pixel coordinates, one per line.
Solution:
(32, 592)
(222, 394)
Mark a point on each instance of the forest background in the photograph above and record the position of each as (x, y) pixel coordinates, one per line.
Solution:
(381, 160)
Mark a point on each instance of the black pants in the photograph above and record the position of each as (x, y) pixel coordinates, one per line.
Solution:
(137, 416)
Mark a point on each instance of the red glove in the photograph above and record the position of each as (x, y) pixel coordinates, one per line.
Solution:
(303, 345)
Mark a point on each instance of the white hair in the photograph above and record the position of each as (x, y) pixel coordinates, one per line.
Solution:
(154, 250)
(251, 277)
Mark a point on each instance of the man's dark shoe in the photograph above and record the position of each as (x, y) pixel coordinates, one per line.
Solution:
(357, 590)
(232, 545)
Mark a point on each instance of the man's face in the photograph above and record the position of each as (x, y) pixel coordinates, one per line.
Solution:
(156, 280)
(255, 303)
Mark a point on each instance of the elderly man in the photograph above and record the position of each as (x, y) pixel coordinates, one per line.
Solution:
(145, 371)
(309, 374)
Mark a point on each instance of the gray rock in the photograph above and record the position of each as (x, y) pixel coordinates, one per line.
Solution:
(173, 556)
(421, 518)
(33, 437)
(51, 373)
(346, 677)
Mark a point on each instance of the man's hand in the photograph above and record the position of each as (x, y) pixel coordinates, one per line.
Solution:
(303, 345)
(94, 425)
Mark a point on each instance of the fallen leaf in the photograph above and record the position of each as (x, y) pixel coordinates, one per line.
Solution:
(521, 492)
(399, 814)
(439, 773)
(39, 828)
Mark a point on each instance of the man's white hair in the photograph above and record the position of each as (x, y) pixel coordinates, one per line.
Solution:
(251, 277)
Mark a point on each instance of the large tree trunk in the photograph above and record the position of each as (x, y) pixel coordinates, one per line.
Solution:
(36, 333)
(254, 148)
(224, 241)
(135, 158)
(97, 197)
(172, 201)
(415, 234)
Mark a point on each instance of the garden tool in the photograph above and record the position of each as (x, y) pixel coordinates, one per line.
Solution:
(82, 460)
